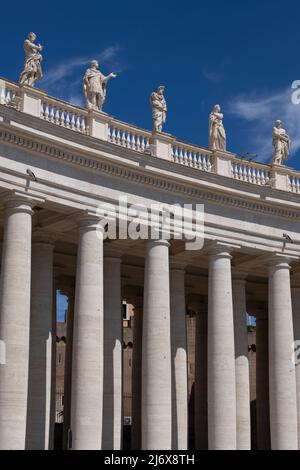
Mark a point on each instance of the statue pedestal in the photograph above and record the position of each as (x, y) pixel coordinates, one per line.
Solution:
(161, 145)
(280, 177)
(222, 162)
(98, 124)
(31, 100)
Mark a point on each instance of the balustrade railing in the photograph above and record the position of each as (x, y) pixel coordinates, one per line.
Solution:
(294, 182)
(63, 115)
(192, 156)
(251, 172)
(131, 137)
(128, 136)
(8, 92)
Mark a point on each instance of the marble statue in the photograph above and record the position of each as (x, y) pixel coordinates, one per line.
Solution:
(217, 134)
(281, 143)
(32, 67)
(94, 86)
(159, 108)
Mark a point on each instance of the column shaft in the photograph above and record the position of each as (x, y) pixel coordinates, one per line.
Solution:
(87, 367)
(262, 383)
(296, 321)
(282, 379)
(68, 371)
(201, 425)
(179, 361)
(136, 442)
(221, 361)
(14, 323)
(40, 387)
(156, 362)
(243, 431)
(113, 356)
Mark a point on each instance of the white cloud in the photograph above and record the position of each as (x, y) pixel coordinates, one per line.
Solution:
(261, 111)
(214, 77)
(64, 79)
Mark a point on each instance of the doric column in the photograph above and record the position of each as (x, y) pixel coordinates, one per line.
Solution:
(70, 292)
(137, 373)
(113, 355)
(221, 360)
(282, 379)
(87, 367)
(156, 362)
(40, 377)
(262, 382)
(14, 322)
(242, 377)
(296, 321)
(201, 425)
(178, 358)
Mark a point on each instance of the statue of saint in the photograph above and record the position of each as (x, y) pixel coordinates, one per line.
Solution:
(94, 86)
(217, 134)
(281, 143)
(159, 108)
(32, 67)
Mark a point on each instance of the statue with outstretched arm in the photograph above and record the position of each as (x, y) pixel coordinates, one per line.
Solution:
(94, 86)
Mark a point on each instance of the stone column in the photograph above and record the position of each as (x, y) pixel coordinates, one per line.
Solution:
(113, 355)
(87, 367)
(201, 425)
(262, 383)
(282, 379)
(14, 322)
(136, 443)
(221, 359)
(242, 377)
(41, 345)
(296, 320)
(70, 292)
(156, 361)
(179, 359)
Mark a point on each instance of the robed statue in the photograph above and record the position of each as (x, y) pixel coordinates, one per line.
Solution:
(281, 143)
(94, 86)
(159, 109)
(217, 134)
(32, 67)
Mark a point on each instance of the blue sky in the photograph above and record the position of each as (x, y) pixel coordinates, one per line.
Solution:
(242, 55)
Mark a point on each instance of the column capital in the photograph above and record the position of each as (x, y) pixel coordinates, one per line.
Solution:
(88, 220)
(112, 253)
(279, 260)
(218, 250)
(42, 237)
(158, 242)
(239, 275)
(177, 264)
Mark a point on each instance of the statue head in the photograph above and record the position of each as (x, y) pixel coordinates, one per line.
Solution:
(217, 108)
(94, 64)
(278, 124)
(32, 37)
(161, 89)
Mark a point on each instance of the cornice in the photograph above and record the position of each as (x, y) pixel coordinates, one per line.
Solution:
(165, 183)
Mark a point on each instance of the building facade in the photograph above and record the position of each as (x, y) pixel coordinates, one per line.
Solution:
(58, 164)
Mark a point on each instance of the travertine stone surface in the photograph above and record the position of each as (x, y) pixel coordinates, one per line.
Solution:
(282, 379)
(41, 357)
(113, 355)
(156, 362)
(221, 360)
(87, 368)
(179, 360)
(14, 322)
(243, 430)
